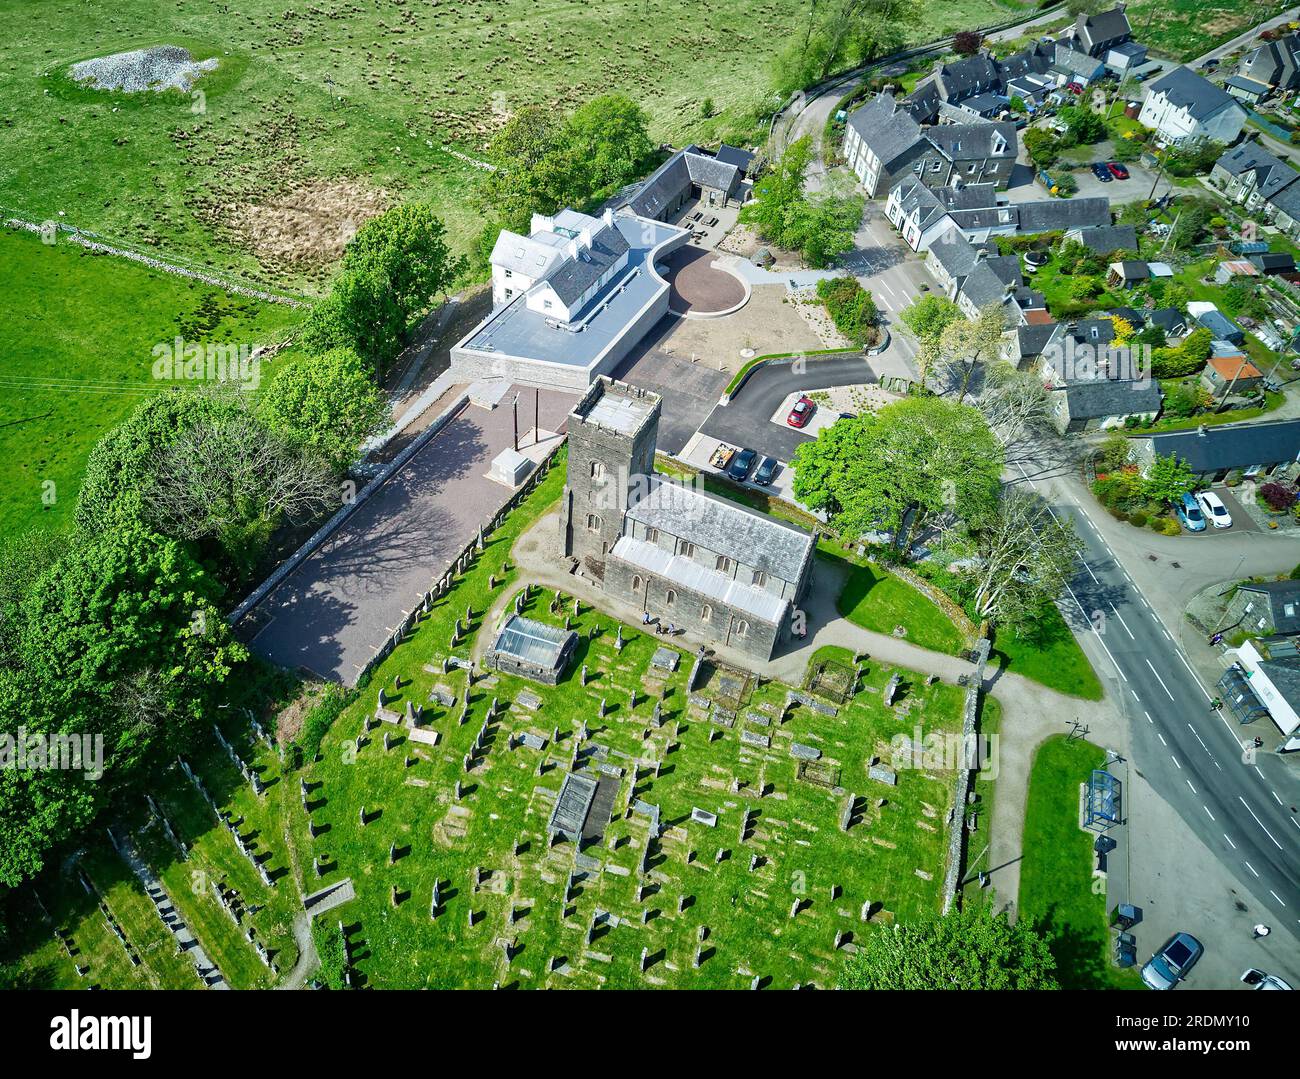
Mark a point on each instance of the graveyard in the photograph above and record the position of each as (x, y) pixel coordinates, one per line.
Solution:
(731, 832)
(192, 888)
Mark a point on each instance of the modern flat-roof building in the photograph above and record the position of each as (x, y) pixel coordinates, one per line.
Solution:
(708, 565)
(570, 300)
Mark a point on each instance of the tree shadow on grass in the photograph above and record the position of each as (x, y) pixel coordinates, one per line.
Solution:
(1081, 957)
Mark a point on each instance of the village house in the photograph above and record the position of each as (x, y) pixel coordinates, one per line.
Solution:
(1252, 449)
(1108, 37)
(1182, 107)
(1273, 65)
(1250, 176)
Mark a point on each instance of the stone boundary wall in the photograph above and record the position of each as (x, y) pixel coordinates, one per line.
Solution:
(207, 276)
(962, 786)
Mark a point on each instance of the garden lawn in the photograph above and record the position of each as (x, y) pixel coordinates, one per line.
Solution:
(76, 356)
(875, 599)
(1056, 881)
(499, 878)
(1186, 29)
(1051, 656)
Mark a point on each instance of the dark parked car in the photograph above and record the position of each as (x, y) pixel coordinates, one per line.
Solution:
(1117, 170)
(1170, 964)
(801, 413)
(766, 470)
(740, 465)
(1101, 172)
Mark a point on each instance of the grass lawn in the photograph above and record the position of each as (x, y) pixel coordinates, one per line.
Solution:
(875, 599)
(408, 80)
(1056, 881)
(77, 356)
(1051, 657)
(499, 878)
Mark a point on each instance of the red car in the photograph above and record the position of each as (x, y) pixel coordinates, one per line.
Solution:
(801, 413)
(1074, 87)
(1117, 170)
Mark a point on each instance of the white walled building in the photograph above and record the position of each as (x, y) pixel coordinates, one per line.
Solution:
(1181, 106)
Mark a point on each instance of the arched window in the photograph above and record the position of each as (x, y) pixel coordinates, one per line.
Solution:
(706, 613)
(742, 628)
(593, 523)
(597, 470)
(760, 578)
(652, 535)
(724, 564)
(670, 597)
(636, 582)
(686, 550)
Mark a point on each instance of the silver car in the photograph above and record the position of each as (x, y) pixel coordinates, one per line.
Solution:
(1170, 964)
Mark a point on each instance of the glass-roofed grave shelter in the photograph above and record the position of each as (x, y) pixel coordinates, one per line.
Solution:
(532, 649)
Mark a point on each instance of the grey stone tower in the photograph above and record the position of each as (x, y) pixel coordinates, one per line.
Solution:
(612, 435)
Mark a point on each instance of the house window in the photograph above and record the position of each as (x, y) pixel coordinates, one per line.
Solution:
(597, 470)
(510, 273)
(686, 550)
(546, 304)
(706, 613)
(742, 629)
(670, 597)
(760, 578)
(936, 166)
(636, 582)
(652, 535)
(723, 564)
(509, 292)
(593, 523)
(974, 168)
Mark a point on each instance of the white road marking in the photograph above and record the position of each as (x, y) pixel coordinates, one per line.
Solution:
(1189, 783)
(1160, 680)
(1175, 760)
(1149, 719)
(1123, 623)
(1230, 842)
(1162, 738)
(1210, 815)
(1277, 897)
(1252, 868)
(1260, 823)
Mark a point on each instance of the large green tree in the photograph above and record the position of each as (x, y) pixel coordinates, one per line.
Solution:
(328, 403)
(120, 637)
(961, 950)
(609, 141)
(905, 463)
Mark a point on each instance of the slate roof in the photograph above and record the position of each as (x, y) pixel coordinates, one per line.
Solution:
(718, 524)
(1249, 85)
(1271, 174)
(956, 254)
(1102, 28)
(1185, 89)
(1130, 269)
(1069, 62)
(964, 78)
(1031, 340)
(1104, 239)
(734, 155)
(1273, 262)
(572, 277)
(1232, 446)
(984, 285)
(686, 166)
(1287, 201)
(1051, 214)
(1221, 326)
(919, 202)
(1284, 673)
(975, 142)
(1169, 319)
(887, 129)
(1099, 398)
(1033, 60)
(1284, 604)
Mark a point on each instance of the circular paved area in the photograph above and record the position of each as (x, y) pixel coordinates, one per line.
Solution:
(697, 287)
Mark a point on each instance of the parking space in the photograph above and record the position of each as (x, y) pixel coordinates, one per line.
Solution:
(699, 453)
(1025, 188)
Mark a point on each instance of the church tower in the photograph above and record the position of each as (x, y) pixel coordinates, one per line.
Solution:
(612, 436)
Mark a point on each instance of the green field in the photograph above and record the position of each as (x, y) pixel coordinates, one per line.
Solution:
(1057, 888)
(407, 80)
(76, 356)
(1185, 29)
(1050, 655)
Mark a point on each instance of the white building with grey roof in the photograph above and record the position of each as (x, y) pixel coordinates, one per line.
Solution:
(1182, 107)
(709, 566)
